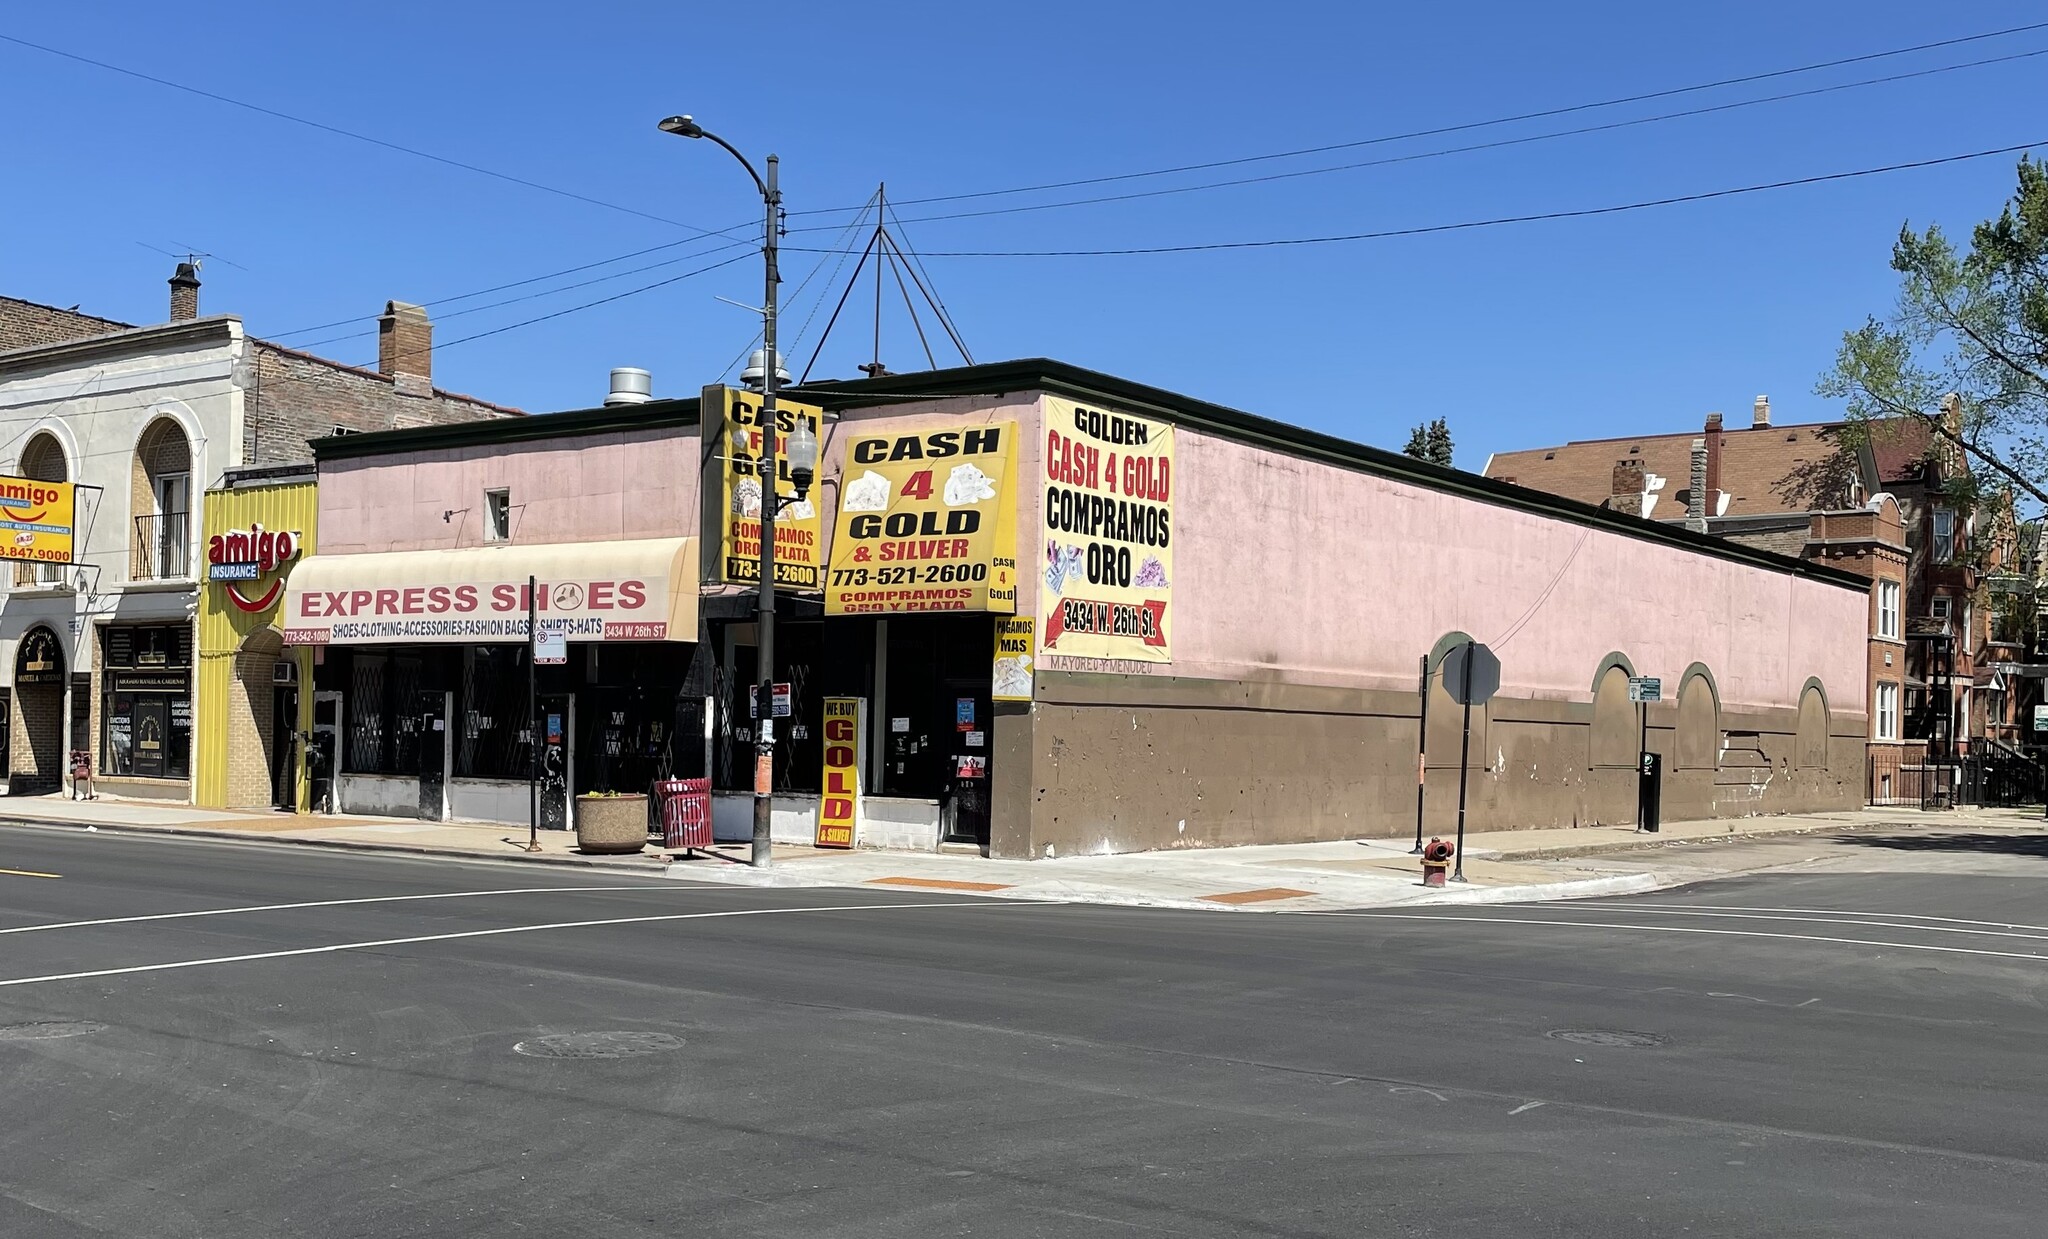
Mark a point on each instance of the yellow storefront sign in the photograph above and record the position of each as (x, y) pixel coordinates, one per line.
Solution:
(732, 493)
(37, 519)
(927, 522)
(1010, 677)
(839, 805)
(1106, 538)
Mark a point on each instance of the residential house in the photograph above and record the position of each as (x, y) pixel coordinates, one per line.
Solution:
(1873, 501)
(97, 655)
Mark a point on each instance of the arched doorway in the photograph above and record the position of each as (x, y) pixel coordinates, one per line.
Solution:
(263, 712)
(36, 715)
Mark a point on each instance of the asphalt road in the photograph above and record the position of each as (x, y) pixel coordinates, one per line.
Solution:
(1826, 1053)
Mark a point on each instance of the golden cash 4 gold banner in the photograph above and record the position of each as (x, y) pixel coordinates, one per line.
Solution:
(1107, 537)
(927, 522)
(732, 493)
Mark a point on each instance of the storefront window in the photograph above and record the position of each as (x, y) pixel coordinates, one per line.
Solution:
(492, 743)
(379, 711)
(146, 715)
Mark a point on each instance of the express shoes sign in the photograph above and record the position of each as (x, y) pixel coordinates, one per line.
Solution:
(252, 555)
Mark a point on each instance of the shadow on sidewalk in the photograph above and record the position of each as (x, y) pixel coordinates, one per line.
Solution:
(2034, 845)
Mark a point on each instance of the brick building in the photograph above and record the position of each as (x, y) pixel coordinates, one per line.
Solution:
(97, 655)
(1873, 503)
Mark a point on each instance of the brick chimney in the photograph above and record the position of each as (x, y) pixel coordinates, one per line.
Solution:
(1760, 414)
(1713, 436)
(1696, 494)
(185, 293)
(405, 348)
(1626, 496)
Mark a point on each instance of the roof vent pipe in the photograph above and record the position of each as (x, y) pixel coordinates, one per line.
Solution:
(630, 385)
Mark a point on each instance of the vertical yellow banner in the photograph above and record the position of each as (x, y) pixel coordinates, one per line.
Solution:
(839, 796)
(1106, 537)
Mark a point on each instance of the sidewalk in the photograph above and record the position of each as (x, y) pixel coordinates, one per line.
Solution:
(1500, 866)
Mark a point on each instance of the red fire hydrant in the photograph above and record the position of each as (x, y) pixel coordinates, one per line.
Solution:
(1436, 858)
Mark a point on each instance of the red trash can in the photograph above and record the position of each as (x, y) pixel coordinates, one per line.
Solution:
(685, 813)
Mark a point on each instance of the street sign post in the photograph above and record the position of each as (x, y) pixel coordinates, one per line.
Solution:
(1644, 689)
(1472, 675)
(550, 646)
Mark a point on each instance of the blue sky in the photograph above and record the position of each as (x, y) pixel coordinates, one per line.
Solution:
(1519, 335)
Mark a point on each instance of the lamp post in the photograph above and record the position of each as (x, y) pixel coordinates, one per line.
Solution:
(803, 464)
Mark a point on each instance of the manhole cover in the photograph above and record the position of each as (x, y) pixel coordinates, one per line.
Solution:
(48, 1030)
(598, 1045)
(1607, 1037)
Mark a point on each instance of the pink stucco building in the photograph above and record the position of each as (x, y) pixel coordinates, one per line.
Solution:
(1178, 624)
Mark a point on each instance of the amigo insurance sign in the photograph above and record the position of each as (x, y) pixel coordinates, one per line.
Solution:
(36, 519)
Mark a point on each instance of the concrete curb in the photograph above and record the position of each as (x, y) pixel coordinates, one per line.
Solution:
(1101, 893)
(342, 845)
(1649, 843)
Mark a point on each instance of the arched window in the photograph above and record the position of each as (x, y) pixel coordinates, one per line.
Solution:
(161, 498)
(1810, 744)
(1614, 720)
(43, 460)
(1699, 723)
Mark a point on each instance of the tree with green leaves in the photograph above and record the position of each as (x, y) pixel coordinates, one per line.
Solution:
(1965, 351)
(1430, 441)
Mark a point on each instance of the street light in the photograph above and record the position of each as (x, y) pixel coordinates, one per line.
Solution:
(803, 461)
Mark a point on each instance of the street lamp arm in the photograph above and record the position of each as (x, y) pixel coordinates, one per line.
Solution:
(744, 163)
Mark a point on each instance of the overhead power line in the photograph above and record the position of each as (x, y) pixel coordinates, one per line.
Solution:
(1418, 156)
(266, 390)
(1426, 229)
(1441, 130)
(519, 283)
(354, 136)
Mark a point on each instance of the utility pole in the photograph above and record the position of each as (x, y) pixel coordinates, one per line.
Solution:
(764, 731)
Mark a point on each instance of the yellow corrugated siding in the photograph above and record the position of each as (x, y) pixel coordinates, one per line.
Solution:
(223, 627)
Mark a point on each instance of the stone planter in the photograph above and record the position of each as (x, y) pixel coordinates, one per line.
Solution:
(611, 825)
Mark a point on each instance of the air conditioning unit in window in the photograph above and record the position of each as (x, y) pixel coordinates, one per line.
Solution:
(284, 671)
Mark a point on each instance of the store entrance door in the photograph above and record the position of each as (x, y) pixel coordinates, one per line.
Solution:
(557, 718)
(431, 716)
(964, 807)
(325, 756)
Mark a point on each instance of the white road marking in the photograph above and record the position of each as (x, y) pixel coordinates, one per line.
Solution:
(510, 929)
(1673, 929)
(1800, 920)
(1527, 1105)
(1897, 916)
(651, 885)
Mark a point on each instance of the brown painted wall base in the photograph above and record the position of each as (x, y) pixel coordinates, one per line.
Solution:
(1123, 764)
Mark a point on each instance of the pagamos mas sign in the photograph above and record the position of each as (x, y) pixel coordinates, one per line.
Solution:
(253, 555)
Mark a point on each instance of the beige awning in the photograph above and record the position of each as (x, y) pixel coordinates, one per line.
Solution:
(642, 590)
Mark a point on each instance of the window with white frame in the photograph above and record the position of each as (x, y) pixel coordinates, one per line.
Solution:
(1887, 712)
(1944, 535)
(1888, 609)
(1940, 606)
(497, 515)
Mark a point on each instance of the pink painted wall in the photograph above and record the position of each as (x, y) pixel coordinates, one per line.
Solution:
(1309, 573)
(640, 484)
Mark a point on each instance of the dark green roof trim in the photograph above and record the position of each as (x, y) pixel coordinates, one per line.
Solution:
(654, 415)
(1059, 378)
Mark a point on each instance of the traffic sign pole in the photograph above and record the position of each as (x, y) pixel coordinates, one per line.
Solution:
(1421, 755)
(1464, 757)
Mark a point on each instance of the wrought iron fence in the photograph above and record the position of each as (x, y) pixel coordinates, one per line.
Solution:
(162, 548)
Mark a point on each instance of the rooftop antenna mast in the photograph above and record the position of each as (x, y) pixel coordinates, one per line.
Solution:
(885, 250)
